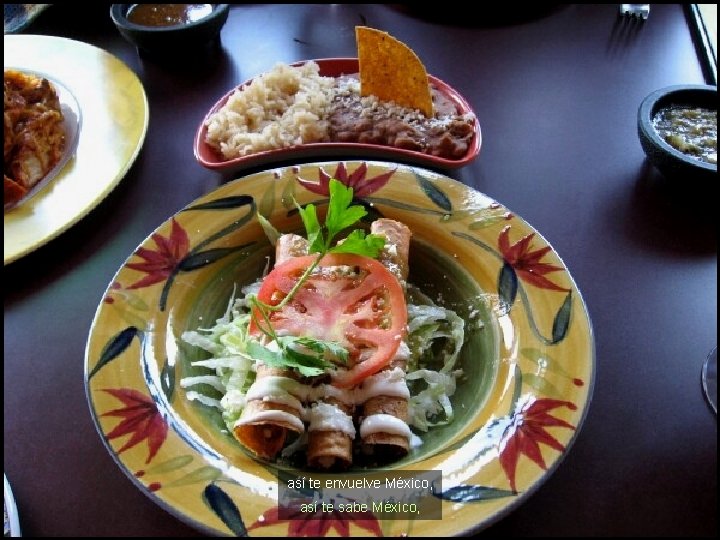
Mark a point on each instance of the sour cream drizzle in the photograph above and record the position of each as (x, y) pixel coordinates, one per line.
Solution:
(271, 416)
(384, 423)
(278, 389)
(390, 382)
(321, 416)
(327, 417)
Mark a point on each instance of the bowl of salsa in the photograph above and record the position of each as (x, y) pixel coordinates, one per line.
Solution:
(169, 28)
(677, 127)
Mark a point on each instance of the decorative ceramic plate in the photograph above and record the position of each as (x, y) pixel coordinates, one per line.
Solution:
(115, 115)
(528, 358)
(12, 522)
(208, 157)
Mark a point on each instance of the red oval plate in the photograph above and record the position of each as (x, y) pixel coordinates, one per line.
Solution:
(334, 67)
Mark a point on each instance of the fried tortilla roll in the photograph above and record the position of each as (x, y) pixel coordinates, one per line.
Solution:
(274, 408)
(395, 256)
(330, 434)
(274, 401)
(384, 431)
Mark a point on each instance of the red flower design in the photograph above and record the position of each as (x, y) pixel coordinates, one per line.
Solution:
(140, 417)
(114, 287)
(361, 185)
(527, 431)
(160, 263)
(318, 523)
(527, 263)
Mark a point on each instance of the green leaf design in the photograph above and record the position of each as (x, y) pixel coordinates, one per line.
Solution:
(458, 215)
(469, 494)
(227, 229)
(222, 232)
(270, 231)
(518, 375)
(486, 222)
(507, 288)
(557, 324)
(541, 384)
(170, 465)
(226, 203)
(202, 474)
(288, 195)
(134, 300)
(543, 361)
(482, 245)
(167, 380)
(203, 258)
(435, 194)
(224, 507)
(562, 320)
(133, 319)
(267, 202)
(405, 206)
(372, 212)
(114, 348)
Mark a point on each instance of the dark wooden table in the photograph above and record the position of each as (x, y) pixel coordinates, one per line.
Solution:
(556, 93)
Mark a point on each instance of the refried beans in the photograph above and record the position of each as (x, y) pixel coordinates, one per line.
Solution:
(368, 120)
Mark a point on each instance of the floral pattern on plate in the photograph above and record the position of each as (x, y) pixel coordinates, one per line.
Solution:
(528, 359)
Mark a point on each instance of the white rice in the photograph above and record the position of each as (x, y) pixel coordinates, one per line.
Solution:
(283, 107)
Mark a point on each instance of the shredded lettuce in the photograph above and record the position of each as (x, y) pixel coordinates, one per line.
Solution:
(435, 338)
(233, 368)
(192, 395)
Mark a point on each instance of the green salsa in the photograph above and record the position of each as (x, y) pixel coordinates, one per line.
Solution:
(691, 130)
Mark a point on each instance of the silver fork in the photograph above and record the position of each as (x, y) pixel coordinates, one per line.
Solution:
(635, 11)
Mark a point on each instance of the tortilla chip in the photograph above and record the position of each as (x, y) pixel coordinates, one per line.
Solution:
(390, 70)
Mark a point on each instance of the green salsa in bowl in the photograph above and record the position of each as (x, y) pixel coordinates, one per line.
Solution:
(677, 127)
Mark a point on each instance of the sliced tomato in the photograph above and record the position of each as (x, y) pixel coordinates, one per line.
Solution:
(362, 309)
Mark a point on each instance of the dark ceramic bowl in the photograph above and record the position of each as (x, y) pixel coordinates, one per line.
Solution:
(167, 39)
(673, 163)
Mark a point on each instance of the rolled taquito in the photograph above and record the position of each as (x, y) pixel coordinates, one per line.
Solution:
(384, 431)
(274, 405)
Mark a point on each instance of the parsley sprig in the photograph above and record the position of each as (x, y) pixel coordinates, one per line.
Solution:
(341, 215)
(306, 354)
